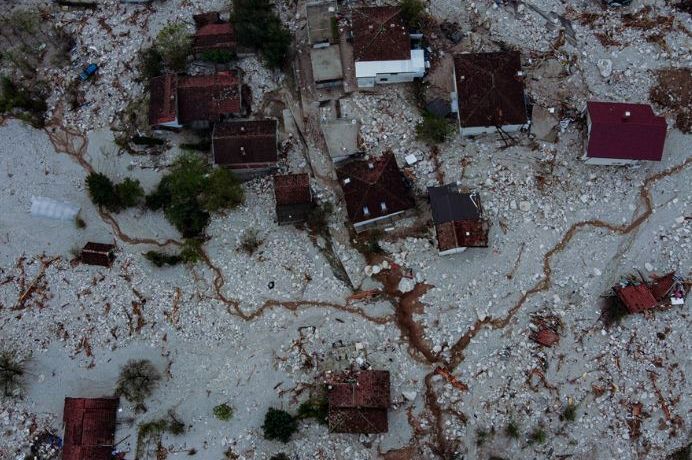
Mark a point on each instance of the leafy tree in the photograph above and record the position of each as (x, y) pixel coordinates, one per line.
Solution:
(317, 408)
(433, 129)
(191, 251)
(161, 258)
(137, 381)
(129, 193)
(102, 191)
(257, 26)
(412, 11)
(279, 424)
(150, 63)
(223, 190)
(11, 373)
(174, 44)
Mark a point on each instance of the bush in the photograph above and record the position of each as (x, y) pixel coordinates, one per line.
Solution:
(537, 436)
(174, 45)
(137, 381)
(217, 56)
(161, 258)
(150, 63)
(257, 26)
(412, 11)
(249, 242)
(223, 190)
(317, 408)
(512, 429)
(102, 191)
(279, 425)
(223, 412)
(569, 413)
(433, 129)
(129, 193)
(11, 373)
(318, 218)
(31, 104)
(280, 456)
(191, 251)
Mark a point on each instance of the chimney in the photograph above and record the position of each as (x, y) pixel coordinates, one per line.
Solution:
(347, 181)
(626, 116)
(371, 166)
(242, 129)
(242, 151)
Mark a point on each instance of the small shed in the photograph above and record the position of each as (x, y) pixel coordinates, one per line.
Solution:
(89, 428)
(358, 402)
(98, 254)
(636, 298)
(293, 198)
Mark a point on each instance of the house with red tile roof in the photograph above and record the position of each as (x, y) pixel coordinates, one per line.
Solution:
(383, 49)
(458, 218)
(358, 402)
(195, 101)
(375, 191)
(213, 34)
(620, 134)
(293, 198)
(246, 145)
(89, 428)
(489, 93)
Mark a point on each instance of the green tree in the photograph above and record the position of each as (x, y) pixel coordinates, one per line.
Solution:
(276, 44)
(11, 373)
(129, 193)
(102, 191)
(150, 63)
(279, 425)
(412, 11)
(223, 190)
(174, 44)
(257, 26)
(433, 129)
(137, 381)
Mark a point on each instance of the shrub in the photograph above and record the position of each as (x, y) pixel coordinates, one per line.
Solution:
(280, 456)
(191, 251)
(223, 190)
(31, 103)
(174, 45)
(481, 436)
(537, 436)
(250, 242)
(318, 218)
(317, 408)
(160, 258)
(223, 412)
(512, 429)
(102, 191)
(257, 26)
(412, 11)
(150, 63)
(137, 381)
(433, 129)
(279, 425)
(11, 373)
(217, 56)
(569, 413)
(129, 193)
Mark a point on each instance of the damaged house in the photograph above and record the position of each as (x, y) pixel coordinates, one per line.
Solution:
(458, 218)
(325, 54)
(620, 134)
(383, 49)
(375, 191)
(246, 146)
(637, 296)
(293, 198)
(358, 402)
(194, 101)
(89, 428)
(489, 93)
(213, 35)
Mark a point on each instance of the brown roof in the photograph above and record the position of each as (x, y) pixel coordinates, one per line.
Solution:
(379, 34)
(358, 402)
(162, 99)
(245, 143)
(636, 298)
(462, 234)
(208, 97)
(376, 186)
(292, 189)
(458, 218)
(214, 36)
(89, 428)
(490, 91)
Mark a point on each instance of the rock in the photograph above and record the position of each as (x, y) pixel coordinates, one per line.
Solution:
(524, 206)
(406, 285)
(359, 346)
(410, 395)
(649, 267)
(437, 349)
(376, 269)
(605, 66)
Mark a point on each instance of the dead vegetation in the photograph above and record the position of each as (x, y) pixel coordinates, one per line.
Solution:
(673, 91)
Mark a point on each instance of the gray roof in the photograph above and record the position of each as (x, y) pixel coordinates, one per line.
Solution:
(449, 204)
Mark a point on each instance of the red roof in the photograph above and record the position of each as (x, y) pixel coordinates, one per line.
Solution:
(89, 428)
(636, 298)
(162, 99)
(661, 286)
(374, 188)
(208, 97)
(358, 402)
(245, 143)
(292, 189)
(458, 218)
(614, 135)
(214, 36)
(379, 34)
